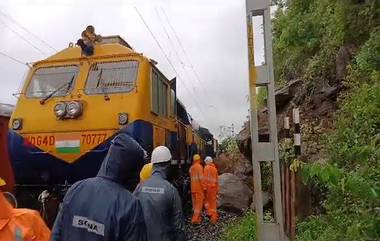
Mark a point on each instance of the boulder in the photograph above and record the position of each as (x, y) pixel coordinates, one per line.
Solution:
(343, 58)
(285, 94)
(234, 194)
(235, 163)
(266, 199)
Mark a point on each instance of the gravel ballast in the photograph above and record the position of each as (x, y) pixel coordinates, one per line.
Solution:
(206, 231)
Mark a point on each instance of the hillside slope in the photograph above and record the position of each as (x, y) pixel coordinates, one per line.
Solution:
(327, 62)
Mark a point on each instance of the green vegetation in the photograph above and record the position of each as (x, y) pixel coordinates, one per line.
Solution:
(308, 37)
(309, 34)
(244, 230)
(352, 176)
(229, 145)
(262, 94)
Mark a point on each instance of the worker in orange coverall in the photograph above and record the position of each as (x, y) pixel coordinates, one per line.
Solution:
(19, 224)
(197, 189)
(210, 177)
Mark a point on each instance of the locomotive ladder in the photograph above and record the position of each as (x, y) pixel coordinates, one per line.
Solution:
(264, 152)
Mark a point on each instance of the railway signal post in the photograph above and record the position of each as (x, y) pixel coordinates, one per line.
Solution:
(264, 152)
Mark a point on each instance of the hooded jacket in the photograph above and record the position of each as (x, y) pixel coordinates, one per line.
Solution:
(162, 207)
(101, 208)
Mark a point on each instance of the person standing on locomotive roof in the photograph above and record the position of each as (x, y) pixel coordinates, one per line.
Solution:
(197, 189)
(102, 208)
(160, 201)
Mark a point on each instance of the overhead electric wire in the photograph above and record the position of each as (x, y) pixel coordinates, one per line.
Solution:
(23, 38)
(166, 57)
(187, 57)
(175, 51)
(183, 48)
(12, 58)
(167, 33)
(28, 31)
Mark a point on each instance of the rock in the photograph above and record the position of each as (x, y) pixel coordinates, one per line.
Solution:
(324, 94)
(222, 162)
(266, 198)
(234, 194)
(324, 124)
(235, 163)
(244, 170)
(342, 59)
(284, 96)
(286, 93)
(324, 109)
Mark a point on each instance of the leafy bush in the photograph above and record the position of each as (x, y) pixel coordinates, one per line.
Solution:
(309, 33)
(262, 94)
(352, 175)
(229, 145)
(244, 230)
(368, 58)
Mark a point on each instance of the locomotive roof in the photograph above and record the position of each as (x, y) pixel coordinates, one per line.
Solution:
(115, 39)
(110, 45)
(205, 133)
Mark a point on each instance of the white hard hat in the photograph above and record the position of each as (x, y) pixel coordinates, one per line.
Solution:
(161, 154)
(208, 160)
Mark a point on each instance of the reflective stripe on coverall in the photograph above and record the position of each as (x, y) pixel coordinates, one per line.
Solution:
(19, 224)
(211, 184)
(197, 190)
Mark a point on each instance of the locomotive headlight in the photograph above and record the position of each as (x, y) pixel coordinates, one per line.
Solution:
(60, 110)
(74, 109)
(123, 118)
(17, 124)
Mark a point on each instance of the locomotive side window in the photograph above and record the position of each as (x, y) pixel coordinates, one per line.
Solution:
(159, 94)
(155, 100)
(173, 107)
(114, 77)
(58, 81)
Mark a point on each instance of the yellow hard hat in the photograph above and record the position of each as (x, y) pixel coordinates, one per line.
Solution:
(146, 172)
(2, 182)
(196, 157)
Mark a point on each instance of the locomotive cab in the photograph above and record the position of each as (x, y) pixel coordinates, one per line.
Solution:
(71, 105)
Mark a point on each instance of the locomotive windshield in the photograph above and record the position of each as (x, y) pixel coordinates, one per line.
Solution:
(54, 81)
(113, 77)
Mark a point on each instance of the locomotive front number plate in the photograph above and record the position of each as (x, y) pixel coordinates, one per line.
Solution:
(67, 146)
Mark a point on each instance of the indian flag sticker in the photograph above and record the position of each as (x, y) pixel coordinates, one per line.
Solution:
(67, 144)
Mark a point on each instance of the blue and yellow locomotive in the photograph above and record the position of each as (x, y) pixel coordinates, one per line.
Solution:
(71, 105)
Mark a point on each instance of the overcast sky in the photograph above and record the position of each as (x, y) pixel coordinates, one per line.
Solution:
(212, 32)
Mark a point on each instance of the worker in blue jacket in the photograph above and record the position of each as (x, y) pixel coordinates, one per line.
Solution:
(161, 202)
(101, 208)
